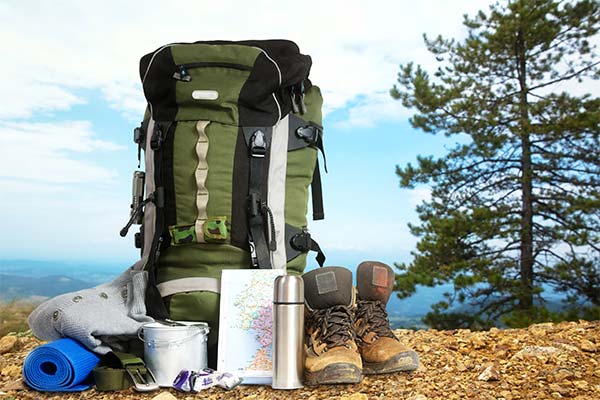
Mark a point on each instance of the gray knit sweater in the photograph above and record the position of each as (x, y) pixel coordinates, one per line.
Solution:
(101, 318)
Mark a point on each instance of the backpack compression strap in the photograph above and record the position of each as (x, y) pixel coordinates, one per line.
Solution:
(155, 305)
(308, 134)
(258, 140)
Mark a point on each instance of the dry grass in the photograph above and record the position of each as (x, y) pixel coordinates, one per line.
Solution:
(13, 316)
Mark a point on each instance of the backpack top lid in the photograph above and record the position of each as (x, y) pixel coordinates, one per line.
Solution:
(260, 74)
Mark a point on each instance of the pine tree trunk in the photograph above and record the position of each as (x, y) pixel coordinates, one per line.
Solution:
(526, 245)
(526, 296)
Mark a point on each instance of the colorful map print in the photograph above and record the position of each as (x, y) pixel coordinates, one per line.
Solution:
(256, 317)
(246, 324)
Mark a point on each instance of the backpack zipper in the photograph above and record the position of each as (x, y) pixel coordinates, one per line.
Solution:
(181, 74)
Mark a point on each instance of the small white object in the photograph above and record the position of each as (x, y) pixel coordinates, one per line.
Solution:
(205, 95)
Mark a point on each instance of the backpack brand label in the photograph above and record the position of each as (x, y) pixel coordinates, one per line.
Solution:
(326, 282)
(205, 95)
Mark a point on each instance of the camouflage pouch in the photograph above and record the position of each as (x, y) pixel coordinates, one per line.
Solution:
(216, 230)
(183, 234)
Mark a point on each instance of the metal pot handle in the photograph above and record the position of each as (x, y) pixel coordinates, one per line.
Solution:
(196, 330)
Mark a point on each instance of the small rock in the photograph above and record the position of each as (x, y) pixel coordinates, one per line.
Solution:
(461, 367)
(14, 385)
(8, 344)
(358, 396)
(164, 396)
(563, 391)
(491, 373)
(556, 395)
(537, 331)
(588, 346)
(11, 370)
(566, 345)
(582, 385)
(538, 351)
(478, 342)
(418, 397)
(562, 374)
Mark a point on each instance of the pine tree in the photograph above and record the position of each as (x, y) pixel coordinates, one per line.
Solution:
(515, 205)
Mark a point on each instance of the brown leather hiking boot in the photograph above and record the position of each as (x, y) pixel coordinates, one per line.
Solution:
(331, 353)
(380, 349)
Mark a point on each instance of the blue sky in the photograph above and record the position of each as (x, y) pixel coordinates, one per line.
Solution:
(71, 97)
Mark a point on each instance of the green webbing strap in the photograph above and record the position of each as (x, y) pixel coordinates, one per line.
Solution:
(118, 371)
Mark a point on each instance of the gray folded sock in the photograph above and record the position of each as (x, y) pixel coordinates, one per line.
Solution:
(101, 318)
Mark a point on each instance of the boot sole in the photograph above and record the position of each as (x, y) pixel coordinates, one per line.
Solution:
(334, 374)
(407, 361)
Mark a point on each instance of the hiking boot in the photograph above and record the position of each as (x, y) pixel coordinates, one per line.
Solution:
(331, 354)
(381, 351)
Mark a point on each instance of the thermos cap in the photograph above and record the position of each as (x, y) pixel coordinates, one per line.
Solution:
(289, 289)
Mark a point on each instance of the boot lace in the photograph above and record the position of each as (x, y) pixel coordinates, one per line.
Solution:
(372, 317)
(335, 325)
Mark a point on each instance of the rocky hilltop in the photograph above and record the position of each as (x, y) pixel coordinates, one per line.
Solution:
(544, 361)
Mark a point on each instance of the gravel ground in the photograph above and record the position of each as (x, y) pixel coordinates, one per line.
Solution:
(544, 361)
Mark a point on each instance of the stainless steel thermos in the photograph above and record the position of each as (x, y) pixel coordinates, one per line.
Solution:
(288, 329)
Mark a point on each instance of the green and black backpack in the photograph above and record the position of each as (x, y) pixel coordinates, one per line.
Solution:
(230, 139)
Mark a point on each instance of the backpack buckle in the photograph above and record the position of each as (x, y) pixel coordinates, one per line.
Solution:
(301, 241)
(258, 144)
(157, 139)
(309, 133)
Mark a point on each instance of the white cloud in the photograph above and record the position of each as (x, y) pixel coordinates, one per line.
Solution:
(56, 180)
(70, 221)
(371, 110)
(48, 152)
(28, 99)
(58, 48)
(417, 195)
(125, 98)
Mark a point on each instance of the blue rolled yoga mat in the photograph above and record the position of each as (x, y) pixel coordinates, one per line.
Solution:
(60, 366)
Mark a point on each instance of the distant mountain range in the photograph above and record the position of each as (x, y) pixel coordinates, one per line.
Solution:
(15, 287)
(38, 280)
(85, 271)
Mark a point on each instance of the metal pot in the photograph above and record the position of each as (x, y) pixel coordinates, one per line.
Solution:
(169, 348)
